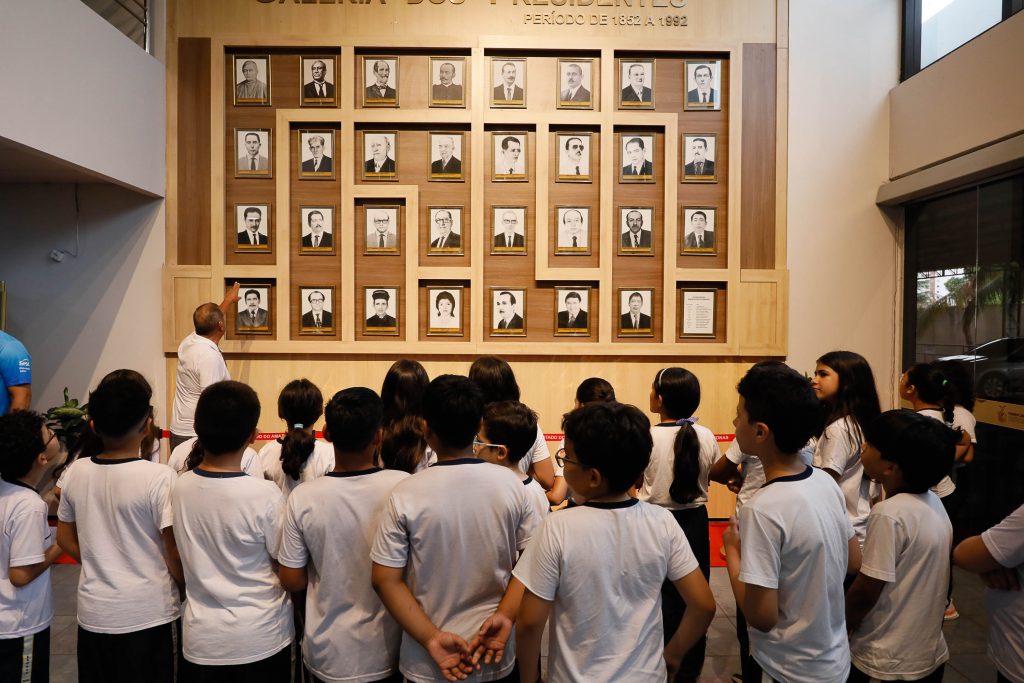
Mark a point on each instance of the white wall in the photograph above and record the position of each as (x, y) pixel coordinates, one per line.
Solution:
(85, 316)
(844, 59)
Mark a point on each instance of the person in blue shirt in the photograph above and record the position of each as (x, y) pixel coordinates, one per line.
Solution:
(16, 375)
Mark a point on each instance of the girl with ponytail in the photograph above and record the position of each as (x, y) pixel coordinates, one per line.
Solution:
(298, 456)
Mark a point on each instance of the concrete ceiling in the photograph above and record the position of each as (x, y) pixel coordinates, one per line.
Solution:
(21, 164)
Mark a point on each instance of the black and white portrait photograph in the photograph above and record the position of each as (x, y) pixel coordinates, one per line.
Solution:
(445, 230)
(636, 83)
(254, 307)
(380, 81)
(703, 85)
(573, 224)
(574, 150)
(318, 82)
(380, 155)
(317, 226)
(252, 81)
(508, 229)
(509, 155)
(575, 87)
(445, 315)
(446, 150)
(699, 230)
(252, 222)
(572, 306)
(508, 312)
(316, 154)
(317, 306)
(635, 307)
(637, 157)
(448, 82)
(699, 158)
(382, 229)
(253, 152)
(381, 310)
(636, 230)
(508, 83)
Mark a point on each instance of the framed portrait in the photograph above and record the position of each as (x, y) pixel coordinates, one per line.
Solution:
(446, 154)
(635, 312)
(316, 228)
(381, 309)
(636, 83)
(253, 152)
(380, 81)
(572, 306)
(317, 308)
(383, 229)
(446, 316)
(698, 226)
(698, 313)
(508, 83)
(318, 79)
(575, 87)
(636, 153)
(255, 309)
(508, 229)
(703, 85)
(252, 80)
(699, 158)
(573, 230)
(448, 82)
(380, 155)
(574, 158)
(445, 231)
(636, 230)
(252, 221)
(508, 312)
(316, 154)
(509, 152)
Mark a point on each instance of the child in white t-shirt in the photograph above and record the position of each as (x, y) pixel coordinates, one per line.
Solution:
(507, 433)
(894, 607)
(329, 525)
(589, 390)
(180, 455)
(298, 456)
(31, 455)
(597, 569)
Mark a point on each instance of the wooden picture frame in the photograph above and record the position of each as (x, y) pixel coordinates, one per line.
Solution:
(570, 322)
(310, 141)
(508, 166)
(630, 94)
(322, 92)
(704, 244)
(374, 324)
(575, 86)
(506, 219)
(451, 170)
(249, 90)
(309, 241)
(374, 143)
(388, 216)
(696, 145)
(246, 215)
(500, 82)
(452, 95)
(698, 313)
(447, 238)
(703, 84)
(575, 153)
(255, 315)
(505, 301)
(639, 242)
(308, 311)
(373, 96)
(254, 152)
(637, 157)
(645, 313)
(572, 230)
(452, 324)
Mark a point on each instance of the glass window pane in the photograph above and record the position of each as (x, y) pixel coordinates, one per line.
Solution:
(948, 24)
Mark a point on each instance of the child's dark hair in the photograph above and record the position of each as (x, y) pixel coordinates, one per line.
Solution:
(781, 398)
(925, 449)
(299, 404)
(932, 386)
(613, 438)
(402, 391)
(21, 442)
(857, 396)
(957, 373)
(403, 446)
(495, 379)
(513, 425)
(452, 407)
(594, 389)
(353, 417)
(120, 403)
(226, 416)
(679, 391)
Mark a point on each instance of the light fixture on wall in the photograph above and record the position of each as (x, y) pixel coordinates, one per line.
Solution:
(57, 255)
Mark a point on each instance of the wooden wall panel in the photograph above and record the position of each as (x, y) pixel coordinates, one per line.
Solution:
(757, 203)
(193, 173)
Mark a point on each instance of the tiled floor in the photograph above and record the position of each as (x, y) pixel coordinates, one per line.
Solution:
(966, 636)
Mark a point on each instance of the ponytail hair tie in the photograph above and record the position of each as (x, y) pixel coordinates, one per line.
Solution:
(945, 382)
(686, 420)
(298, 425)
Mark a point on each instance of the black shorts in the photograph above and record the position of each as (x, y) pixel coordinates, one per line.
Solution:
(278, 668)
(27, 659)
(149, 655)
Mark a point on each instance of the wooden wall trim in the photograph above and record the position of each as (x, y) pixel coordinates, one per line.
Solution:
(757, 165)
(192, 187)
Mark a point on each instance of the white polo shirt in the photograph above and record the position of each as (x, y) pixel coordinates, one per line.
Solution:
(250, 459)
(658, 476)
(200, 364)
(838, 450)
(25, 540)
(538, 452)
(1005, 609)
(319, 463)
(753, 470)
(538, 498)
(963, 419)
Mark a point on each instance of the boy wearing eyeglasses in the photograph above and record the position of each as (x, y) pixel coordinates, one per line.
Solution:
(507, 434)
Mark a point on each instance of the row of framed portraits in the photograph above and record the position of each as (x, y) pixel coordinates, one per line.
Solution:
(509, 156)
(383, 230)
(508, 311)
(447, 86)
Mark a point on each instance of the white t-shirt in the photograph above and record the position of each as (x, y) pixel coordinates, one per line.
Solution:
(538, 452)
(538, 498)
(329, 526)
(838, 450)
(658, 476)
(228, 529)
(602, 565)
(1005, 609)
(319, 463)
(753, 471)
(963, 419)
(119, 508)
(908, 544)
(794, 534)
(200, 364)
(25, 540)
(250, 459)
(459, 557)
